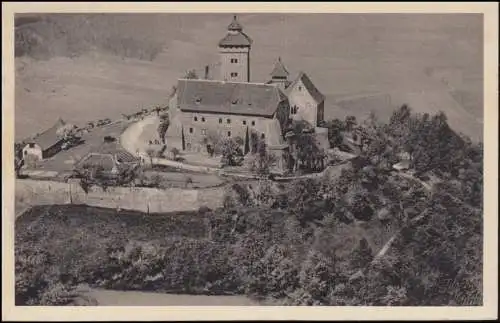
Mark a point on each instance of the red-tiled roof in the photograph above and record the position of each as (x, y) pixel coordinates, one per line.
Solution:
(315, 93)
(279, 70)
(228, 97)
(49, 137)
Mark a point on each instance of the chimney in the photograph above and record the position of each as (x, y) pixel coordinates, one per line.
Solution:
(206, 72)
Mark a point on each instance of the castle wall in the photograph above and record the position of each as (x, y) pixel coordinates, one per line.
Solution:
(32, 192)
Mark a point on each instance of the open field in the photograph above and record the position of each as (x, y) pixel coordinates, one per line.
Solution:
(90, 67)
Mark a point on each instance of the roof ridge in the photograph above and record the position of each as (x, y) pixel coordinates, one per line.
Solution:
(225, 82)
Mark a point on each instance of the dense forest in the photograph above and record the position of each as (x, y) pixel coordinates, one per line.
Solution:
(372, 236)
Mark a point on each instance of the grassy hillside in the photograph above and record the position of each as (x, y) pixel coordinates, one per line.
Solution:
(83, 67)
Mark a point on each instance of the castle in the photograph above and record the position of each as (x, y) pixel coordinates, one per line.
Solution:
(233, 106)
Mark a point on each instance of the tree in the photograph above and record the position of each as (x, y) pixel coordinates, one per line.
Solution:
(183, 139)
(151, 153)
(350, 122)
(191, 75)
(247, 143)
(264, 160)
(175, 152)
(230, 151)
(163, 127)
(335, 128)
(362, 255)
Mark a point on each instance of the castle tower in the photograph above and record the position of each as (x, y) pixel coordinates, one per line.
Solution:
(234, 51)
(279, 75)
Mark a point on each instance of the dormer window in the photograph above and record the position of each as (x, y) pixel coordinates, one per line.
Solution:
(235, 101)
(197, 100)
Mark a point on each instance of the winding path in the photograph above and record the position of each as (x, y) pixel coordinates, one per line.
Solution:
(131, 137)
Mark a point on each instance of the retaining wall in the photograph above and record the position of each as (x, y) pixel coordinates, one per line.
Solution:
(149, 200)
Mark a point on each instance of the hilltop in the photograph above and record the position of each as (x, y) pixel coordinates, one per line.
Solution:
(86, 67)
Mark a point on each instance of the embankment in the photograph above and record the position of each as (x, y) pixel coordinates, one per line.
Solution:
(148, 200)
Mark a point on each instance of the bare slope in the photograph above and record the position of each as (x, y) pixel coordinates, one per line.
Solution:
(99, 66)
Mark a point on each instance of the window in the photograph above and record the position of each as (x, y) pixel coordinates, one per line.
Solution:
(202, 119)
(253, 123)
(32, 145)
(244, 122)
(220, 120)
(300, 88)
(203, 131)
(229, 133)
(198, 100)
(190, 130)
(234, 74)
(195, 118)
(234, 60)
(294, 109)
(228, 120)
(262, 136)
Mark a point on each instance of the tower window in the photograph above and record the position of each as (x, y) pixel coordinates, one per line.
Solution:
(195, 118)
(294, 109)
(220, 120)
(202, 119)
(190, 130)
(253, 123)
(229, 133)
(234, 74)
(228, 120)
(234, 60)
(198, 100)
(262, 136)
(244, 122)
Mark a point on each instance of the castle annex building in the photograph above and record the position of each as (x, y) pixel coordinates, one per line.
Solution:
(231, 105)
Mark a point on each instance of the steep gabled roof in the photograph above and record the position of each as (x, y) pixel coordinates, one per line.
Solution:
(308, 84)
(279, 70)
(228, 97)
(49, 137)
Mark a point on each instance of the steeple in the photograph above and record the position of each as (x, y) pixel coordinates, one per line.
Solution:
(279, 70)
(234, 25)
(279, 74)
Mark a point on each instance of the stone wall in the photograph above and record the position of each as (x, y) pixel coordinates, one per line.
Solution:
(149, 200)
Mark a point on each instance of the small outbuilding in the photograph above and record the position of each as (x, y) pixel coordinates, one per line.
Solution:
(45, 144)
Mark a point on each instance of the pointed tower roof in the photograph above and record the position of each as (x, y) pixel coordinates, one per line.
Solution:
(235, 25)
(279, 70)
(235, 36)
